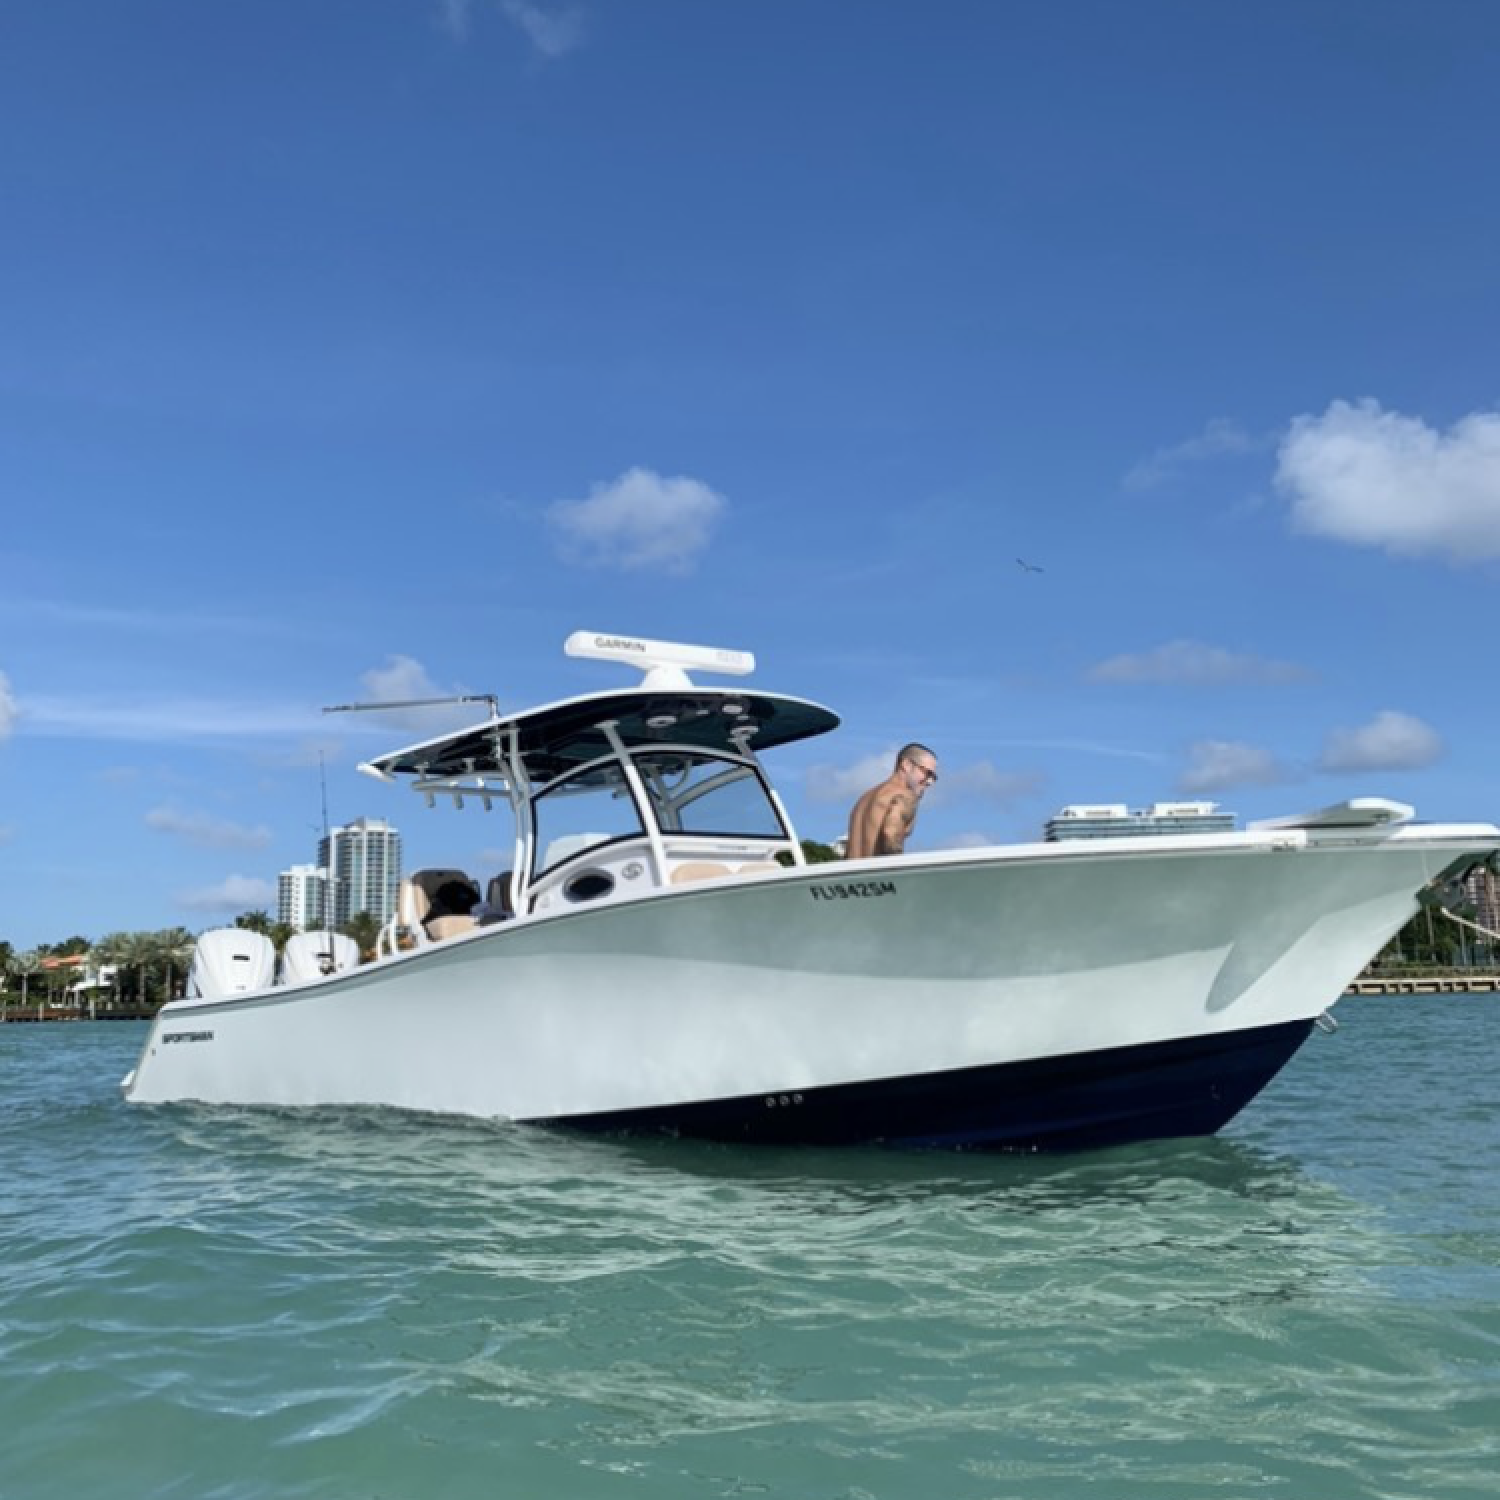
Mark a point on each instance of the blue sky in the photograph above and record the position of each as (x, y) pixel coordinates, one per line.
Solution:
(358, 347)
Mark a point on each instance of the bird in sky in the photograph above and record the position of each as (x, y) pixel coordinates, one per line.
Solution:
(1027, 567)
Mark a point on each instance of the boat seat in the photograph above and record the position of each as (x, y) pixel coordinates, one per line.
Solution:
(699, 869)
(438, 903)
(499, 899)
(705, 869)
(439, 928)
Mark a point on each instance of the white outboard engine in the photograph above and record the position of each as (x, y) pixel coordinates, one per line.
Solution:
(230, 961)
(312, 955)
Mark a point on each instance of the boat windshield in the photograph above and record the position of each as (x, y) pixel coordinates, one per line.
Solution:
(703, 794)
(578, 812)
(696, 794)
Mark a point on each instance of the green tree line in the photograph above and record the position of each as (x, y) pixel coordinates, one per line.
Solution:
(1433, 940)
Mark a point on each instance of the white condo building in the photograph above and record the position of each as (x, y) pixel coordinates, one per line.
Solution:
(1113, 820)
(1483, 889)
(363, 861)
(302, 897)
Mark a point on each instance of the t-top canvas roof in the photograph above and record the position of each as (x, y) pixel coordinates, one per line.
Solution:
(555, 738)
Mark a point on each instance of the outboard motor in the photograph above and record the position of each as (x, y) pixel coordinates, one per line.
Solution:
(231, 961)
(313, 955)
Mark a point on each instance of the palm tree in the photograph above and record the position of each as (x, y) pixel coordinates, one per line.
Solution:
(175, 945)
(110, 953)
(364, 928)
(127, 951)
(141, 954)
(26, 964)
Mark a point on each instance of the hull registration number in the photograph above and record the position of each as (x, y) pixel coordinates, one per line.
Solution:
(852, 890)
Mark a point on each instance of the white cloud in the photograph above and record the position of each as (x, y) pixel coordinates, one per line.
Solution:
(171, 719)
(1193, 664)
(175, 720)
(1391, 741)
(403, 679)
(234, 894)
(92, 615)
(641, 520)
(552, 32)
(1221, 436)
(211, 833)
(1087, 747)
(1380, 479)
(980, 781)
(455, 17)
(323, 750)
(1218, 765)
(848, 783)
(7, 707)
(969, 840)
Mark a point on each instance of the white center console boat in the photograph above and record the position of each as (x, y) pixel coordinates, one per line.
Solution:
(662, 958)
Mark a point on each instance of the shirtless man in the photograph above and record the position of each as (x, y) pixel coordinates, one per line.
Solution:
(885, 816)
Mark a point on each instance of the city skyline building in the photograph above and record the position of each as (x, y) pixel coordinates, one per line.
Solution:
(363, 863)
(302, 897)
(1483, 890)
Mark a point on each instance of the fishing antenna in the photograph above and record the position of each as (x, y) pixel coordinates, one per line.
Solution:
(323, 784)
(326, 959)
(364, 708)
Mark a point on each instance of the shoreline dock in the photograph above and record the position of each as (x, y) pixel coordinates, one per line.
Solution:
(31, 1015)
(1426, 984)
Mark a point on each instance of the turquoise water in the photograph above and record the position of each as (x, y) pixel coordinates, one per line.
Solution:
(347, 1304)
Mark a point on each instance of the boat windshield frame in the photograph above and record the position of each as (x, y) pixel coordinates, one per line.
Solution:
(657, 805)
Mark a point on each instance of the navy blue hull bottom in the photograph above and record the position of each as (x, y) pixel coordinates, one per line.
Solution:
(1151, 1092)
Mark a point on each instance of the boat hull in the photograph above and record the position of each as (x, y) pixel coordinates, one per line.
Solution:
(1188, 1087)
(1033, 996)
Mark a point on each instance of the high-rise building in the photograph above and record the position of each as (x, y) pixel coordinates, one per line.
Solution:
(1482, 888)
(1113, 820)
(363, 861)
(302, 897)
